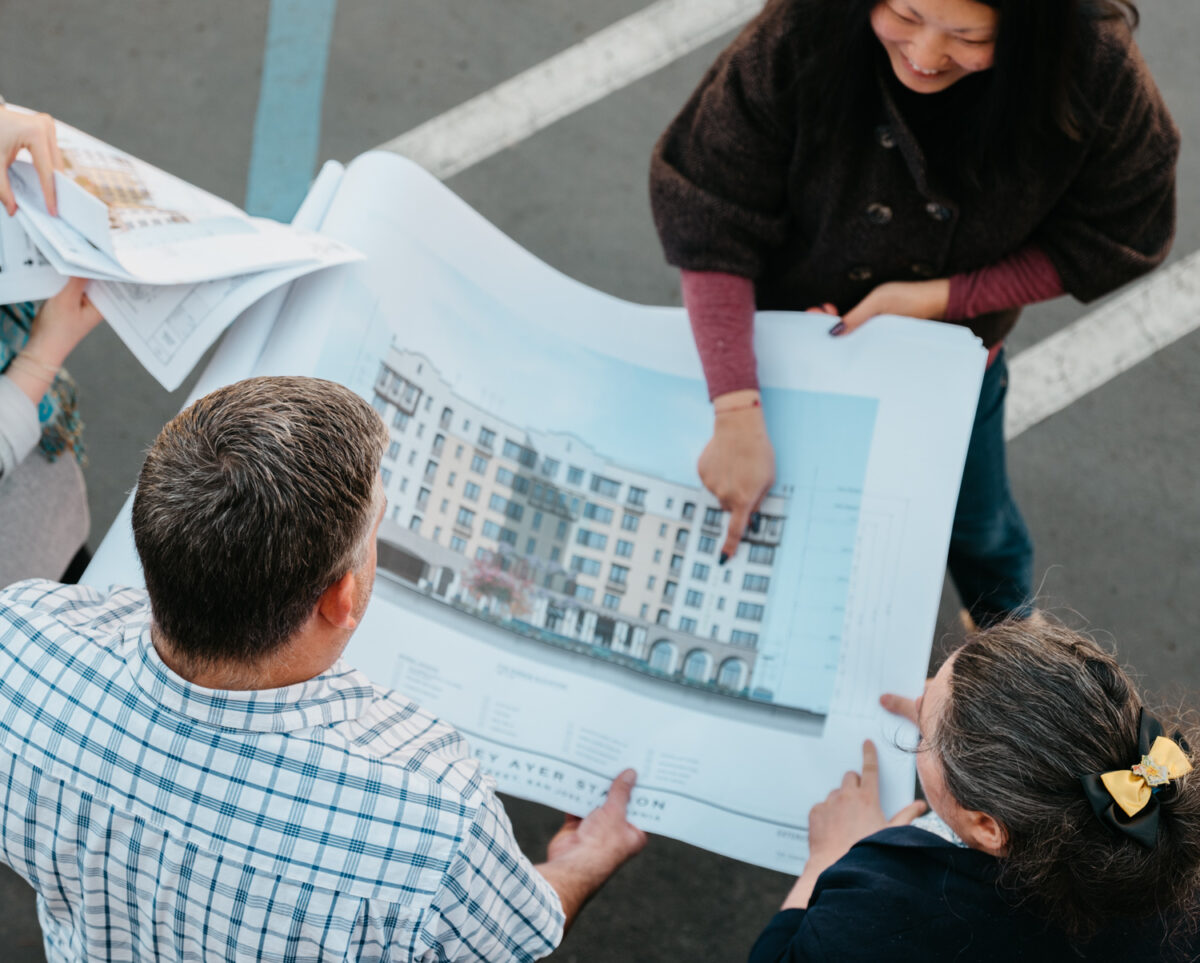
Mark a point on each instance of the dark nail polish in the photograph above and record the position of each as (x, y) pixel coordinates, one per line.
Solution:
(839, 328)
(724, 558)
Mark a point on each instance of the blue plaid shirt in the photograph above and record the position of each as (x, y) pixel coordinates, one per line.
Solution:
(330, 820)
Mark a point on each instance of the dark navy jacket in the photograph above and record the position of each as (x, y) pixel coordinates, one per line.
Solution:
(906, 894)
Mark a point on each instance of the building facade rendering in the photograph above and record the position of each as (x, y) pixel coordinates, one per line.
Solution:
(545, 534)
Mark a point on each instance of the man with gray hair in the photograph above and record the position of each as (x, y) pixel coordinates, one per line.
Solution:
(190, 771)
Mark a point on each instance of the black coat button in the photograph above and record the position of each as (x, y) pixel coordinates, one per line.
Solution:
(879, 214)
(859, 272)
(885, 137)
(923, 270)
(939, 212)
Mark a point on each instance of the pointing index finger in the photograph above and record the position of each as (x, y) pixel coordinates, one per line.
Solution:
(870, 769)
(620, 791)
(901, 706)
(739, 518)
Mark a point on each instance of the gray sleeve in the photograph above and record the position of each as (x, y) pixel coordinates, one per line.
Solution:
(19, 428)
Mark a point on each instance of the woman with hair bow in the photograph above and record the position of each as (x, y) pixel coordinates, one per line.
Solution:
(945, 159)
(1064, 823)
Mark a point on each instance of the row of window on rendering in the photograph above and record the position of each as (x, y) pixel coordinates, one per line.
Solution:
(528, 458)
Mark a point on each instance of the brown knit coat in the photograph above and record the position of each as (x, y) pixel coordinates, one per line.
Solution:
(736, 187)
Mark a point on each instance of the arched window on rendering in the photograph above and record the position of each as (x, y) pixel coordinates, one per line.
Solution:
(732, 674)
(662, 656)
(698, 666)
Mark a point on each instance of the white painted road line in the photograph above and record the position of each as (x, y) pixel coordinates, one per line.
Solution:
(1095, 349)
(605, 62)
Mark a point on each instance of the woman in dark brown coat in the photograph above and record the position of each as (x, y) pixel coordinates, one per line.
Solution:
(945, 159)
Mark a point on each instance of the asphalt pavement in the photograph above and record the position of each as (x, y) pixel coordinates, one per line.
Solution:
(1108, 485)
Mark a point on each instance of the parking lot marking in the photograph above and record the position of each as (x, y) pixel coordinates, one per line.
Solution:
(1087, 353)
(605, 62)
(287, 125)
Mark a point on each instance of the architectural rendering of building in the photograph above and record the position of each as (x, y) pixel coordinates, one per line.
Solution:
(115, 181)
(553, 539)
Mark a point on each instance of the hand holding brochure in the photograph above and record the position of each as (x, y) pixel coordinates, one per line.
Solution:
(122, 219)
(173, 264)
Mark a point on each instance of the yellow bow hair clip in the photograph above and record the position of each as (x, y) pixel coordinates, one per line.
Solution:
(1132, 788)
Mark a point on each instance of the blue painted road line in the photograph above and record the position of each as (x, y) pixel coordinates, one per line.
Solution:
(287, 127)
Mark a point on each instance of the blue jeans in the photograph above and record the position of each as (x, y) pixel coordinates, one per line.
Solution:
(991, 554)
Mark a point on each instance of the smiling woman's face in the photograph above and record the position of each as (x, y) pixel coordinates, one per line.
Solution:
(933, 44)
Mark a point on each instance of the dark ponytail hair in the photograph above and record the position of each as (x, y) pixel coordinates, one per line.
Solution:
(1032, 708)
(1028, 100)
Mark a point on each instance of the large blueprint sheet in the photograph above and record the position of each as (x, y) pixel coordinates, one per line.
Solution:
(547, 581)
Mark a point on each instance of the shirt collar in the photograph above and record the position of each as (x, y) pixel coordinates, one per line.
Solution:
(338, 694)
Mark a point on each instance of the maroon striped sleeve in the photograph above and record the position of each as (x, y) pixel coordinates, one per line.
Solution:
(721, 309)
(1024, 277)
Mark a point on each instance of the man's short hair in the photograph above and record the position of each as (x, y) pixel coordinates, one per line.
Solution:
(250, 504)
